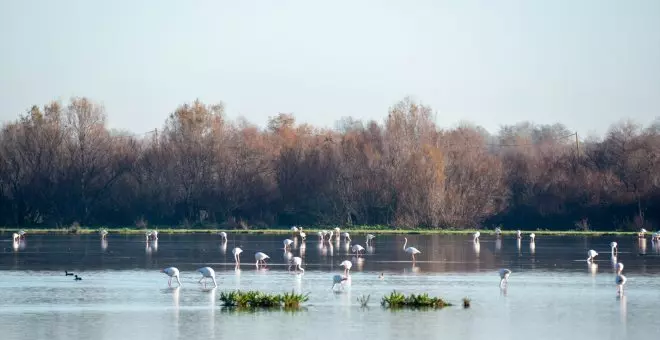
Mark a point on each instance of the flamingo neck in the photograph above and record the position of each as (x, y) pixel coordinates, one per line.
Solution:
(404, 243)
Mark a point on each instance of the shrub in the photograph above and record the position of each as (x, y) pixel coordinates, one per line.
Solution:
(398, 300)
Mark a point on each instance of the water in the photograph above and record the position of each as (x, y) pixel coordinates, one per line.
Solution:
(553, 293)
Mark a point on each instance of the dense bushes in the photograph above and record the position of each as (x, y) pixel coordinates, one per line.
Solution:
(61, 164)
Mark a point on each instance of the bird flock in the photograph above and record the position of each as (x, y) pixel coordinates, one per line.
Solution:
(296, 262)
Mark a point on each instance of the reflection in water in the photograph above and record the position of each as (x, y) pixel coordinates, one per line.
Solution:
(592, 267)
(532, 247)
(22, 244)
(498, 244)
(14, 245)
(518, 245)
(642, 246)
(303, 248)
(371, 249)
(104, 244)
(477, 248)
(359, 262)
(623, 310)
(287, 256)
(331, 249)
(223, 247)
(347, 247)
(613, 260)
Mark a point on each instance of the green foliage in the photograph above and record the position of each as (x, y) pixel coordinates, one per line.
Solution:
(255, 299)
(399, 300)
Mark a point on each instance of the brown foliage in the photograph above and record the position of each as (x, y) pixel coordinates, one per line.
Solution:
(61, 164)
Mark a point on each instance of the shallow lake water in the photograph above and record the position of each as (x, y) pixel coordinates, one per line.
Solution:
(553, 293)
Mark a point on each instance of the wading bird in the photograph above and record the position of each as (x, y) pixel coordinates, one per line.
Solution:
(410, 250)
(260, 257)
(615, 249)
(504, 277)
(172, 272)
(237, 254)
(357, 249)
(369, 237)
(223, 236)
(620, 279)
(207, 273)
(592, 253)
(296, 262)
(347, 267)
(475, 236)
(104, 234)
(287, 243)
(338, 280)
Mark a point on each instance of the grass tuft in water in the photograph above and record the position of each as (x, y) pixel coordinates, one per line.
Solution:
(255, 299)
(399, 300)
(363, 300)
(466, 302)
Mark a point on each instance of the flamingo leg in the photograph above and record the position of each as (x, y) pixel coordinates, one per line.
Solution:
(169, 282)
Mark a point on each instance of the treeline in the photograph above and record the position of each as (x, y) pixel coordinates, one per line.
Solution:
(61, 164)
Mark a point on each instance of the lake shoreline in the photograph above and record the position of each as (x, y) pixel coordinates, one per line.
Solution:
(311, 232)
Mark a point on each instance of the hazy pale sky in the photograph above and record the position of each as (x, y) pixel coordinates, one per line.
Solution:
(584, 63)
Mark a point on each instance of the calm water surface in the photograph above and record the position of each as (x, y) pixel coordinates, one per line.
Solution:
(553, 293)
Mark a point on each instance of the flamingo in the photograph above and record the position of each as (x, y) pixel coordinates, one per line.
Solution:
(369, 237)
(592, 253)
(21, 233)
(518, 234)
(357, 249)
(347, 267)
(498, 231)
(532, 237)
(620, 279)
(321, 236)
(475, 237)
(504, 277)
(410, 250)
(330, 234)
(346, 236)
(287, 243)
(296, 262)
(207, 273)
(338, 279)
(104, 234)
(15, 237)
(615, 250)
(337, 233)
(303, 236)
(172, 272)
(261, 257)
(223, 236)
(294, 230)
(642, 233)
(237, 254)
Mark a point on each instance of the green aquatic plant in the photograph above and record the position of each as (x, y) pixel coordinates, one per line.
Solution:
(399, 300)
(256, 299)
(363, 300)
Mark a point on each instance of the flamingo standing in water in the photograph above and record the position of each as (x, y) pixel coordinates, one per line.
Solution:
(346, 236)
(615, 249)
(338, 280)
(207, 273)
(518, 234)
(237, 254)
(260, 257)
(287, 243)
(475, 236)
(592, 253)
(410, 250)
(620, 279)
(15, 237)
(223, 236)
(532, 237)
(357, 249)
(172, 272)
(21, 233)
(337, 233)
(296, 262)
(104, 234)
(294, 230)
(369, 237)
(504, 277)
(498, 231)
(347, 267)
(303, 236)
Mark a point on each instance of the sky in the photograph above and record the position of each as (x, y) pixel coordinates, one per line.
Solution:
(586, 64)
